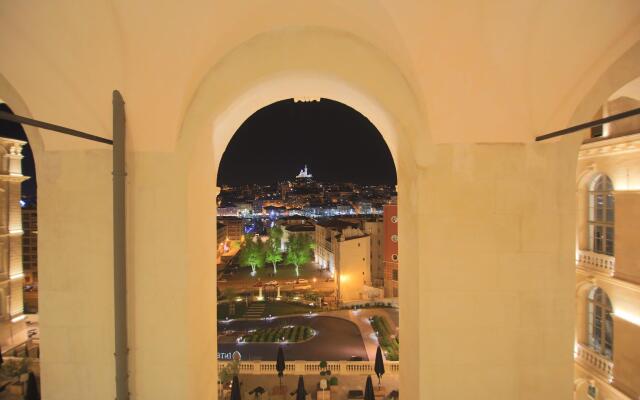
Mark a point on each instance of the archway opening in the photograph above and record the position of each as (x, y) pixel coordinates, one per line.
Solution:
(307, 247)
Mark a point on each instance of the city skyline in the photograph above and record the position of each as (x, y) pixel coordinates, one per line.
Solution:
(336, 142)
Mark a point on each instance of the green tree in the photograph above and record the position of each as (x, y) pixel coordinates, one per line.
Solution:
(275, 234)
(252, 254)
(273, 254)
(299, 251)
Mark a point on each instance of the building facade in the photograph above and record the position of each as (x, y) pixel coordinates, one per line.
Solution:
(11, 270)
(607, 347)
(234, 227)
(374, 227)
(390, 260)
(30, 257)
(344, 249)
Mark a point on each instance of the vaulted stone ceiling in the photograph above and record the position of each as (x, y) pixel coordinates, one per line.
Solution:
(483, 71)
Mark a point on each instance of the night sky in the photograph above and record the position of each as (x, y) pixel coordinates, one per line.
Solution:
(337, 143)
(15, 131)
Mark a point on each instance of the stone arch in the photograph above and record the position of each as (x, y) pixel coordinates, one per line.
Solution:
(308, 62)
(625, 69)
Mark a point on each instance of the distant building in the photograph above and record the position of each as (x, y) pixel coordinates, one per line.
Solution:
(221, 240)
(390, 212)
(374, 227)
(344, 249)
(304, 229)
(11, 271)
(234, 226)
(30, 258)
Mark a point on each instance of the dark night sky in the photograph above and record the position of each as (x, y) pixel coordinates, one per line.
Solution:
(337, 143)
(15, 131)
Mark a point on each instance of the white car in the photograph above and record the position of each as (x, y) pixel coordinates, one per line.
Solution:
(275, 283)
(302, 280)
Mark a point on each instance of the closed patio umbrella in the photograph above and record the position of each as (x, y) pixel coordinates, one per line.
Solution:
(235, 388)
(300, 391)
(379, 365)
(32, 388)
(280, 365)
(368, 390)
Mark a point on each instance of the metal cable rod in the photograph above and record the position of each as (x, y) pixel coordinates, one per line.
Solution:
(51, 127)
(590, 124)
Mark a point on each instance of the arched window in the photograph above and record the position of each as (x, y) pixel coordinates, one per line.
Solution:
(600, 328)
(601, 213)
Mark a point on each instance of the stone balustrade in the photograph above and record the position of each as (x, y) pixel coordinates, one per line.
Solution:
(596, 262)
(594, 361)
(313, 367)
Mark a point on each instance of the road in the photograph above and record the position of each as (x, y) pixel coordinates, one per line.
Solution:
(337, 339)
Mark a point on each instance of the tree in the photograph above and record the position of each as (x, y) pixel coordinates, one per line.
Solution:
(226, 374)
(275, 234)
(299, 251)
(252, 254)
(273, 254)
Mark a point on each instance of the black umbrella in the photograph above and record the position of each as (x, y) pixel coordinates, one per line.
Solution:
(280, 366)
(32, 388)
(235, 388)
(257, 392)
(368, 390)
(300, 392)
(379, 365)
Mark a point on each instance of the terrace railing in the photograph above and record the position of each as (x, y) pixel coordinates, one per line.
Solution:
(313, 367)
(596, 262)
(593, 361)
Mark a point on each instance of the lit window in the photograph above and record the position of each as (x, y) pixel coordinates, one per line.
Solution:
(600, 322)
(394, 219)
(394, 257)
(394, 238)
(601, 215)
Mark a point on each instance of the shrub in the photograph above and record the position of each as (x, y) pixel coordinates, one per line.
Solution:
(333, 381)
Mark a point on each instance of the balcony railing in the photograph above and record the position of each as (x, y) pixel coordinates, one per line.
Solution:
(594, 361)
(596, 262)
(313, 367)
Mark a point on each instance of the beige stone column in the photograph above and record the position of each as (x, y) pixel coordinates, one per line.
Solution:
(76, 274)
(496, 272)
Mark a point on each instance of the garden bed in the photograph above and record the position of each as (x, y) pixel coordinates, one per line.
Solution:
(387, 340)
(284, 334)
